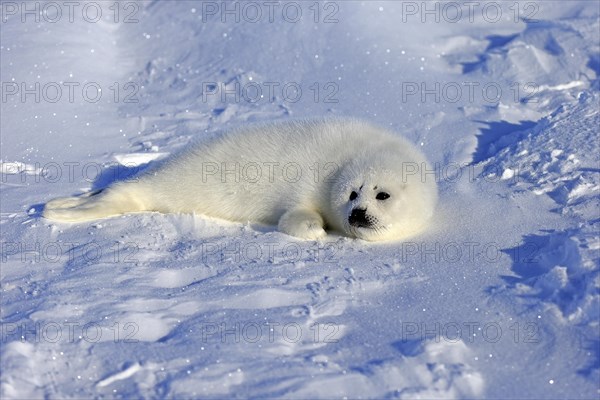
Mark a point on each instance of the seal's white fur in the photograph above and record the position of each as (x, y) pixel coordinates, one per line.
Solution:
(297, 174)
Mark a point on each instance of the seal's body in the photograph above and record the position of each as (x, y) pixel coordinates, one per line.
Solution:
(306, 175)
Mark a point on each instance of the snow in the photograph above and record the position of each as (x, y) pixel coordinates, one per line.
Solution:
(499, 299)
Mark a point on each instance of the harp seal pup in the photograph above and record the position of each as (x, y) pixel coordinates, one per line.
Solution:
(306, 176)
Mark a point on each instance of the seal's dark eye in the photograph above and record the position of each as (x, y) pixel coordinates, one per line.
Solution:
(353, 196)
(382, 196)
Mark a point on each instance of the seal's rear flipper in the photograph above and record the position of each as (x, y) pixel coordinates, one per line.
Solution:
(95, 205)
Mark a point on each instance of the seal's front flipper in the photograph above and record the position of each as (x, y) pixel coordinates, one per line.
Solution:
(304, 224)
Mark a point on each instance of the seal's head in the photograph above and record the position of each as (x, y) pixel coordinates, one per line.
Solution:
(385, 199)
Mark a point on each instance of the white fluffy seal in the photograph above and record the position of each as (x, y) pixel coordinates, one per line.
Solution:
(308, 175)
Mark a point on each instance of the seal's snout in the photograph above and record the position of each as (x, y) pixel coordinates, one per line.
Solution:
(359, 218)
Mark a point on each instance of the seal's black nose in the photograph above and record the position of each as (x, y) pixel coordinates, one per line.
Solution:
(358, 218)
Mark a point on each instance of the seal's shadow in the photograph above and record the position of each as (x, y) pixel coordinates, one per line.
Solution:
(119, 172)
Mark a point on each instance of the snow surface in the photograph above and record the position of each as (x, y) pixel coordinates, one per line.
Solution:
(499, 299)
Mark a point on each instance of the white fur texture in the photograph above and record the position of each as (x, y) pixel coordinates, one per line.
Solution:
(297, 174)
